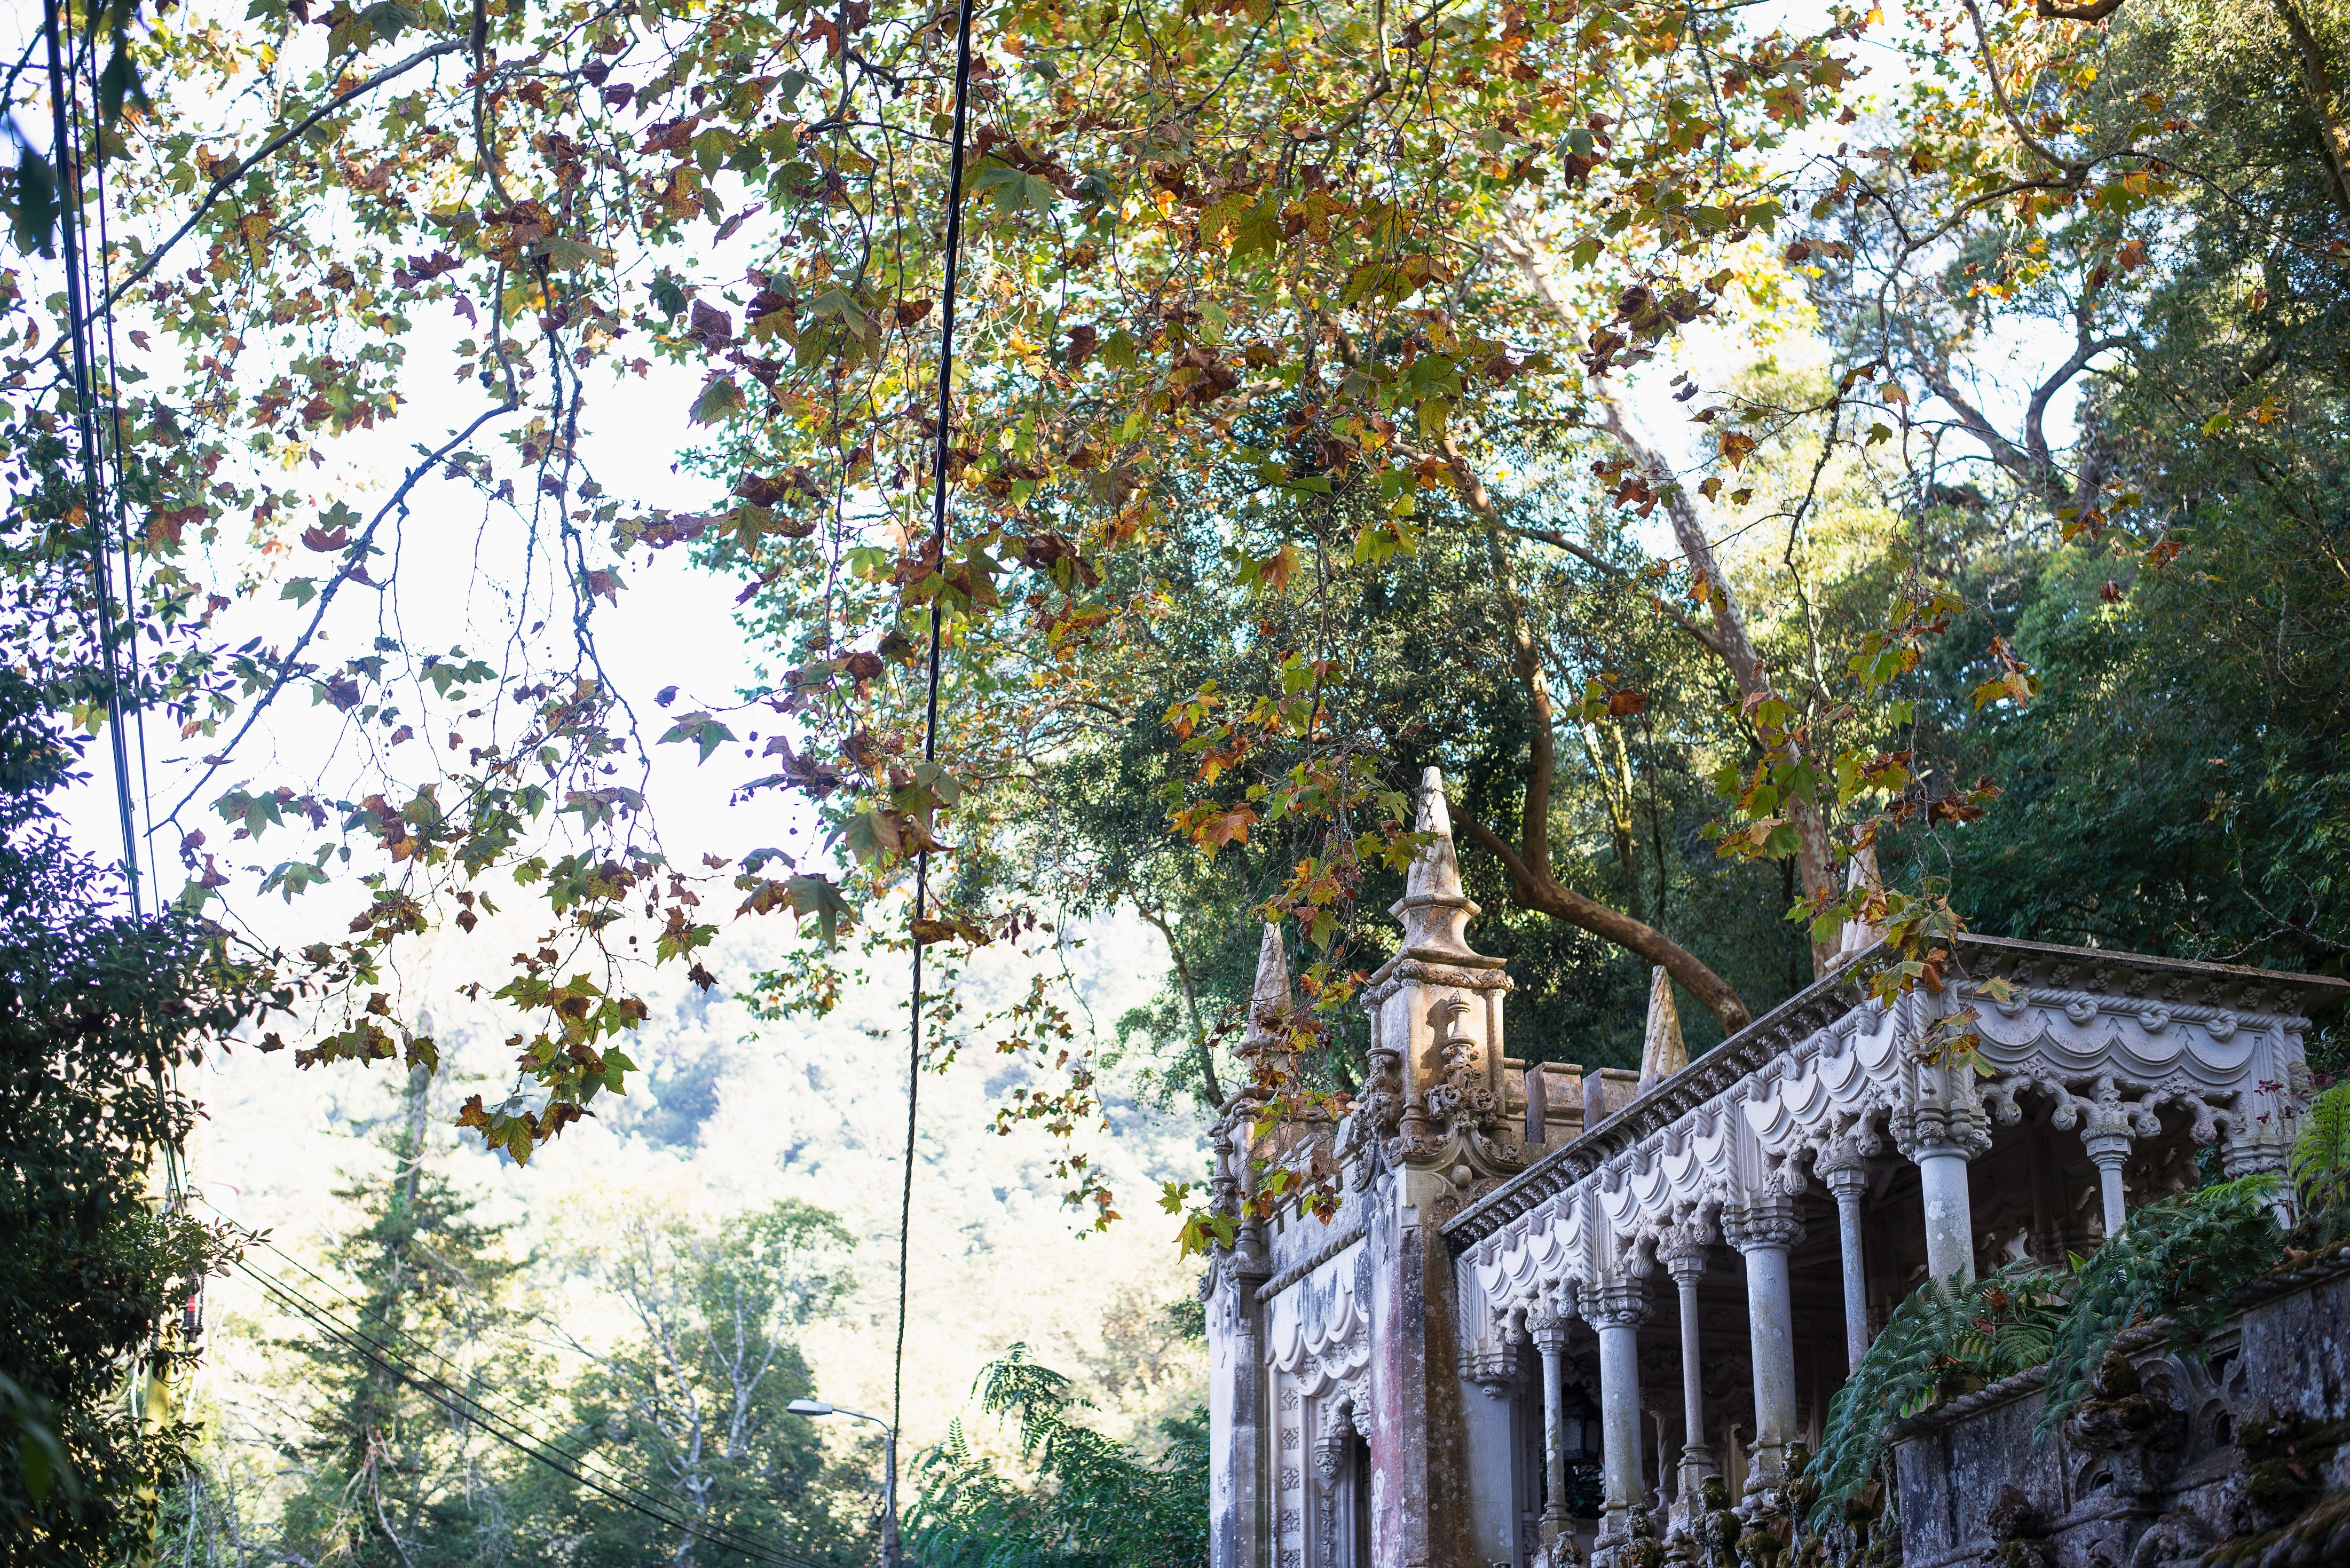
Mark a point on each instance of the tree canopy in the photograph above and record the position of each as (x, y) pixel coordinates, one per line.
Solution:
(1308, 429)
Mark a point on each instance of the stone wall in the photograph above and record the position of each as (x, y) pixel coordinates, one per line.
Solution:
(2231, 1457)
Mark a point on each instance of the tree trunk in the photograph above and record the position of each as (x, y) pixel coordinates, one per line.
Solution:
(1815, 860)
(1532, 883)
(1815, 857)
(2317, 81)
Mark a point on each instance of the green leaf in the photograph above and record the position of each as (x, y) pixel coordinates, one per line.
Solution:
(35, 208)
(702, 730)
(120, 83)
(720, 398)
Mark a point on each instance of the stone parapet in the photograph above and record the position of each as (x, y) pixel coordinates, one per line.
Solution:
(2170, 1465)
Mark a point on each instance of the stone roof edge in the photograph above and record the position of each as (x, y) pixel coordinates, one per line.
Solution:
(1321, 1255)
(1822, 1002)
(2321, 990)
(1825, 999)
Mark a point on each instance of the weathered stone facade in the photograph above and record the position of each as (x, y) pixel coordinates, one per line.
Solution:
(1564, 1316)
(2235, 1447)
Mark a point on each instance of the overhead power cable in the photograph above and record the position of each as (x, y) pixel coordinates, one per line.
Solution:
(468, 1408)
(941, 447)
(66, 153)
(412, 1348)
(514, 1431)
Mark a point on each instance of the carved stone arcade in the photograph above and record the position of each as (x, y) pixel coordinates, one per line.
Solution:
(1706, 1245)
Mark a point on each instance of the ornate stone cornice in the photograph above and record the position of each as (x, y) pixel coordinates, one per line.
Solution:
(2048, 972)
(2149, 991)
(1321, 1255)
(1406, 969)
(1750, 1049)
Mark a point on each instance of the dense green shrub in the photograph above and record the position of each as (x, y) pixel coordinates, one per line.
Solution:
(1095, 1502)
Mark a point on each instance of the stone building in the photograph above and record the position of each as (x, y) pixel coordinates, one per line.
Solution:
(1553, 1303)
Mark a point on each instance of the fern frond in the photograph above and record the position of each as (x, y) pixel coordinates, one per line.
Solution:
(2180, 1258)
(1945, 1340)
(2319, 1161)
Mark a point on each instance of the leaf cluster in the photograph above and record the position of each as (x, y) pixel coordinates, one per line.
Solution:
(1094, 1502)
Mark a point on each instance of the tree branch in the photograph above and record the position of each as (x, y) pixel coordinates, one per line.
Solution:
(1546, 897)
(245, 166)
(355, 555)
(1158, 918)
(1533, 822)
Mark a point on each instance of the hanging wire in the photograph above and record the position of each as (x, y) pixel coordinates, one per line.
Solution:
(407, 1347)
(68, 156)
(524, 1439)
(89, 277)
(930, 712)
(103, 294)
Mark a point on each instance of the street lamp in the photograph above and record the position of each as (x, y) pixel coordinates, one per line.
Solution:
(889, 1472)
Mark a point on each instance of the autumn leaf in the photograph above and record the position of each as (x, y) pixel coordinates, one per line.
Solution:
(705, 731)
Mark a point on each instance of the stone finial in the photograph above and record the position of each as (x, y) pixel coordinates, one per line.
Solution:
(1434, 911)
(1269, 998)
(1662, 1052)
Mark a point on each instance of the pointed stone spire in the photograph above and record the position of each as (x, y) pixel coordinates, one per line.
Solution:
(1662, 1052)
(1435, 912)
(1270, 996)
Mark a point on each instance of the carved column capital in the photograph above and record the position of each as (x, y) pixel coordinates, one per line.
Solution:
(1493, 1367)
(1682, 1248)
(1617, 1304)
(1764, 1222)
(1945, 1123)
(1845, 1182)
(1548, 1331)
(1843, 1166)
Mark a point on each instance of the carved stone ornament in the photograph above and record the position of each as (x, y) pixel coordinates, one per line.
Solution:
(1766, 1221)
(1681, 1247)
(1318, 1330)
(1617, 1303)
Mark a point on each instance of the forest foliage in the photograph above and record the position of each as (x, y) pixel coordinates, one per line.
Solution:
(99, 1010)
(1088, 1501)
(1310, 428)
(419, 1404)
(1881, 467)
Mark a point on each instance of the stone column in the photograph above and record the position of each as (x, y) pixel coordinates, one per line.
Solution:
(2108, 1127)
(1490, 1468)
(1841, 1169)
(1941, 1130)
(1549, 1332)
(1949, 1213)
(1682, 1251)
(1762, 1231)
(1615, 1310)
(2259, 1136)
(1239, 1476)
